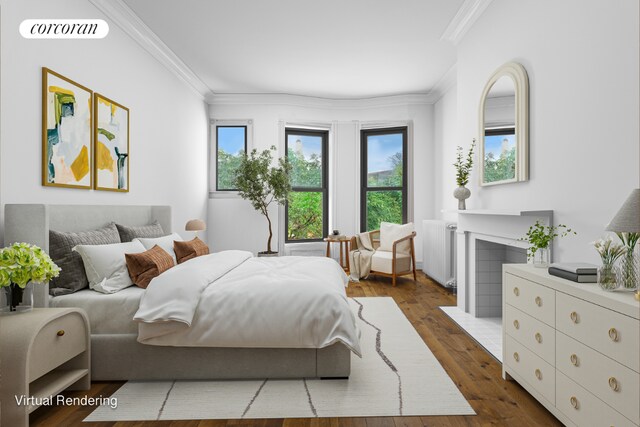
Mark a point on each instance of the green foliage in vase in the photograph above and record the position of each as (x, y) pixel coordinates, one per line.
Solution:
(541, 236)
(463, 166)
(500, 169)
(263, 184)
(608, 250)
(630, 275)
(22, 263)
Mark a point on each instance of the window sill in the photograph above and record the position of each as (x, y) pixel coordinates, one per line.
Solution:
(224, 195)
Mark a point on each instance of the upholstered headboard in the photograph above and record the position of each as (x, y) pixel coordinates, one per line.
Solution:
(31, 223)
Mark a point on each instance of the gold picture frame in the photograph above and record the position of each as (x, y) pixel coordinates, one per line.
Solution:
(111, 145)
(67, 146)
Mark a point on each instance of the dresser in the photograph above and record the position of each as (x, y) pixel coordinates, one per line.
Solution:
(572, 346)
(43, 352)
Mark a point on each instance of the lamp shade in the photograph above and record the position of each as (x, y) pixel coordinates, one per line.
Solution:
(628, 217)
(195, 225)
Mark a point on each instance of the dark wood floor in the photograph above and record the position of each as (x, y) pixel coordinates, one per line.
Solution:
(474, 371)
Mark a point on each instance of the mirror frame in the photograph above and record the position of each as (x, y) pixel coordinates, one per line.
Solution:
(518, 74)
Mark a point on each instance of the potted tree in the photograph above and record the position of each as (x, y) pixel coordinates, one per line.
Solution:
(263, 184)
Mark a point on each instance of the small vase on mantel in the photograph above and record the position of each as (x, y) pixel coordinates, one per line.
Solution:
(462, 193)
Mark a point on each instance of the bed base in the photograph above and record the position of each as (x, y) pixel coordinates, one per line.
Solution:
(121, 357)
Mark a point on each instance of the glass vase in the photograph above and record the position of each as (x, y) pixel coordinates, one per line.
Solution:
(629, 271)
(541, 258)
(14, 299)
(608, 277)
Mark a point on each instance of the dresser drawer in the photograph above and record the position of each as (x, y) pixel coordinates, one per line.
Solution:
(609, 332)
(535, 335)
(535, 371)
(533, 299)
(608, 380)
(60, 340)
(583, 408)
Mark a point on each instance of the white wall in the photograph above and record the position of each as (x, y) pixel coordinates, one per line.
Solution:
(446, 139)
(168, 121)
(234, 223)
(582, 61)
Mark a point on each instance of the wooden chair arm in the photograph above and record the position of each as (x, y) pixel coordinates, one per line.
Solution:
(353, 243)
(409, 237)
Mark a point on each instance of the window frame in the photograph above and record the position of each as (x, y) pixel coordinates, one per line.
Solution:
(364, 188)
(324, 187)
(246, 133)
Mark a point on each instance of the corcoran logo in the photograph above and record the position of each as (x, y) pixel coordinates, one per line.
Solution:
(64, 29)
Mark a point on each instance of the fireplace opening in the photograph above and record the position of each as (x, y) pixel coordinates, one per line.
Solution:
(490, 256)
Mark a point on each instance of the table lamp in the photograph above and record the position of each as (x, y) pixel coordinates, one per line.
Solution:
(628, 219)
(195, 225)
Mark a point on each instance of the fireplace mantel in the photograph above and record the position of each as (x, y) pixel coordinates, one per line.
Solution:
(505, 227)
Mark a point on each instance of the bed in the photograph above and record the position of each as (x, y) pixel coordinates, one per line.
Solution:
(116, 353)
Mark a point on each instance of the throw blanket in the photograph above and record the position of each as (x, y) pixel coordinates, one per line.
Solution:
(361, 257)
(230, 299)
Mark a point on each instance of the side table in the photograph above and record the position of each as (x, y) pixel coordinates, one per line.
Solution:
(344, 250)
(43, 352)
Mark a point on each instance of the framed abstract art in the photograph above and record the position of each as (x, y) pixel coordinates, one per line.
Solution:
(111, 145)
(66, 132)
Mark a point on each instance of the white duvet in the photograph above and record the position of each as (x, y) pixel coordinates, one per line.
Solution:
(230, 299)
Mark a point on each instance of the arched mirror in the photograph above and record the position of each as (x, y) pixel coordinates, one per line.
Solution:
(504, 126)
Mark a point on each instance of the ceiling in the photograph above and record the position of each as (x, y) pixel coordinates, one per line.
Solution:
(330, 49)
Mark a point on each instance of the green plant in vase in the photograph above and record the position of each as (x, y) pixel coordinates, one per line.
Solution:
(609, 253)
(463, 169)
(540, 237)
(21, 264)
(629, 265)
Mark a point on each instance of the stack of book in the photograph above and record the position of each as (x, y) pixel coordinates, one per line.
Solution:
(581, 272)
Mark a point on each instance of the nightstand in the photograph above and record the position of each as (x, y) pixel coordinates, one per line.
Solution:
(43, 352)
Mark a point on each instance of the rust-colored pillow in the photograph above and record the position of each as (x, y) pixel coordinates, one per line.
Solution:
(191, 249)
(144, 266)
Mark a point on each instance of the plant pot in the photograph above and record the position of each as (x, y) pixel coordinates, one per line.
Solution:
(541, 258)
(14, 299)
(462, 193)
(267, 254)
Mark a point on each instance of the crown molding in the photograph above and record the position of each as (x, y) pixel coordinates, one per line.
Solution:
(316, 102)
(467, 15)
(446, 82)
(122, 15)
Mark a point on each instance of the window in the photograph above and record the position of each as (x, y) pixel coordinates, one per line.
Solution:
(383, 177)
(307, 211)
(231, 144)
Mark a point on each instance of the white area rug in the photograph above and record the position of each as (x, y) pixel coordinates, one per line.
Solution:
(400, 377)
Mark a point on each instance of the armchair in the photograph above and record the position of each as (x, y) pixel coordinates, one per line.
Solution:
(393, 263)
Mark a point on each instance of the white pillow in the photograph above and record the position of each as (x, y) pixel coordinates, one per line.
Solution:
(390, 232)
(165, 242)
(106, 266)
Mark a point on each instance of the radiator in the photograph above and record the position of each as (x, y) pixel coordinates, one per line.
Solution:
(439, 251)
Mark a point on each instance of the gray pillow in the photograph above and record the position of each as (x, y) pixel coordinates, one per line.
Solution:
(127, 233)
(72, 275)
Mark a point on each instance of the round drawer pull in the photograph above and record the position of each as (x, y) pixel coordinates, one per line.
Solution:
(538, 337)
(516, 291)
(613, 334)
(60, 332)
(538, 301)
(613, 383)
(516, 324)
(516, 356)
(574, 360)
(574, 402)
(574, 317)
(538, 374)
